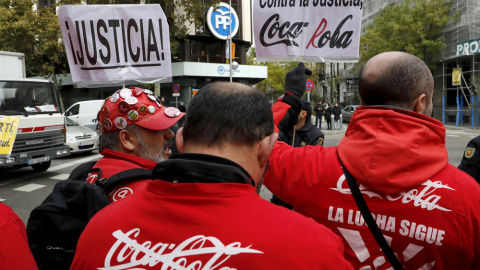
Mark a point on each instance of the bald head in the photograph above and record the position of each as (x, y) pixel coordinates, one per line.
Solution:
(396, 79)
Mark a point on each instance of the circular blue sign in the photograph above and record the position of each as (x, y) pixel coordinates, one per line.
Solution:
(219, 21)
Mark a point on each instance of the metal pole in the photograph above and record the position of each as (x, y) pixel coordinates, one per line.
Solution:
(230, 43)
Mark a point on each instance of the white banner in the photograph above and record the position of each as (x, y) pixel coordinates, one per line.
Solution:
(307, 30)
(110, 44)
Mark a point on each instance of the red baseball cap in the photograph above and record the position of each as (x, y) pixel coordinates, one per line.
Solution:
(135, 106)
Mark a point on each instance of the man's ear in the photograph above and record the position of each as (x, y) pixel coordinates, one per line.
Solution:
(266, 148)
(302, 115)
(420, 104)
(179, 140)
(127, 140)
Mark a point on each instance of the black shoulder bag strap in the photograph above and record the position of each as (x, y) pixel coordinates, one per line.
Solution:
(128, 175)
(372, 225)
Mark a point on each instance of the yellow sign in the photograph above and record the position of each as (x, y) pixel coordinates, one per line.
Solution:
(8, 132)
(456, 76)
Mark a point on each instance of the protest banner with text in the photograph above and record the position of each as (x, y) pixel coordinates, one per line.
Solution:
(111, 44)
(8, 132)
(307, 30)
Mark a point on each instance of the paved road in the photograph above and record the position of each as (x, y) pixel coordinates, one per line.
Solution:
(23, 189)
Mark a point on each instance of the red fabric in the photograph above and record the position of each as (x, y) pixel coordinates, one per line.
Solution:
(14, 250)
(114, 162)
(427, 209)
(217, 226)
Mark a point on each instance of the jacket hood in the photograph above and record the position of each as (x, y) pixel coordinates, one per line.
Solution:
(392, 150)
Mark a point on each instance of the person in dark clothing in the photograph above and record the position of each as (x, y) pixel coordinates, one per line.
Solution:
(337, 112)
(471, 159)
(305, 134)
(319, 109)
(182, 108)
(328, 116)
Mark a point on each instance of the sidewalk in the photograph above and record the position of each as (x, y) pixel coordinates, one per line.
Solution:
(343, 127)
(465, 126)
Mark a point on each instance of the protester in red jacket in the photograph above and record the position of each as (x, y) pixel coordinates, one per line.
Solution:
(428, 211)
(14, 250)
(204, 212)
(135, 134)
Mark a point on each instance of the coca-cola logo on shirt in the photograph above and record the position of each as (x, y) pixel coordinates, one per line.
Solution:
(196, 252)
(423, 196)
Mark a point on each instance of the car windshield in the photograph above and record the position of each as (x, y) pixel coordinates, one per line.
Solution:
(27, 97)
(70, 122)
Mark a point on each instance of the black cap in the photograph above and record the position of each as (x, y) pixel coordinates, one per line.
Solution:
(306, 105)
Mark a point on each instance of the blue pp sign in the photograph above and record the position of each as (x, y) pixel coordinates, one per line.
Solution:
(219, 21)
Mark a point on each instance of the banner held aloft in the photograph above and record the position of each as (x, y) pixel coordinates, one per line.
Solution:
(111, 44)
(307, 30)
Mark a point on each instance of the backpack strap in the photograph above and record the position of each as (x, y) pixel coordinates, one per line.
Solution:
(80, 173)
(372, 225)
(132, 174)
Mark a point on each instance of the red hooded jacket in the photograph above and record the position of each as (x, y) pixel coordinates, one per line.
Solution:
(428, 210)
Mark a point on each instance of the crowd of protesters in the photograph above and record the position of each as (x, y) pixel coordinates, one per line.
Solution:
(200, 207)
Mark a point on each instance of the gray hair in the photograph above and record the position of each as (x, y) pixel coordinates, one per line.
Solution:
(110, 140)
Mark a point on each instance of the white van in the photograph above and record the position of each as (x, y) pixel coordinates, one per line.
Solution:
(85, 112)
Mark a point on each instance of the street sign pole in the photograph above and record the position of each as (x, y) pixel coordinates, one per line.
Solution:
(230, 43)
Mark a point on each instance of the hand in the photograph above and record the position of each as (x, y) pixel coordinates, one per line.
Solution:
(296, 81)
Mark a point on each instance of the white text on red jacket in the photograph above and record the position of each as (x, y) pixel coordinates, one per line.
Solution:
(423, 198)
(405, 227)
(127, 253)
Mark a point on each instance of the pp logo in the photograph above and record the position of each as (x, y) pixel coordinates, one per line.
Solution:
(219, 21)
(221, 70)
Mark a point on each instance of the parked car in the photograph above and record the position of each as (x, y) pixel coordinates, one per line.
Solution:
(347, 112)
(80, 138)
(84, 113)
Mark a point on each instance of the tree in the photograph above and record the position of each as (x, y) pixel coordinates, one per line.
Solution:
(36, 34)
(413, 26)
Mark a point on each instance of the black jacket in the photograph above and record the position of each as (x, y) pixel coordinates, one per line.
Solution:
(336, 113)
(307, 135)
(319, 108)
(471, 159)
(328, 112)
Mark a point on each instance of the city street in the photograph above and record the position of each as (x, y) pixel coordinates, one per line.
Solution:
(23, 189)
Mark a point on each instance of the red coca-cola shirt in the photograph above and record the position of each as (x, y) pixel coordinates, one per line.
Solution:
(114, 162)
(216, 225)
(428, 210)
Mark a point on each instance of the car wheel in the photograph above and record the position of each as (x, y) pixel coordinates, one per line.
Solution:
(41, 167)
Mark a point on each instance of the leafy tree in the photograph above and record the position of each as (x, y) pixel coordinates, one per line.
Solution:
(36, 34)
(413, 26)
